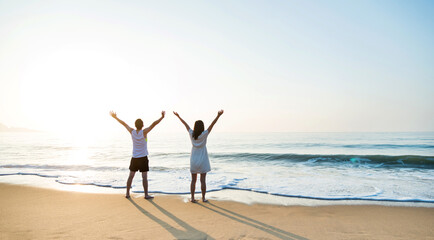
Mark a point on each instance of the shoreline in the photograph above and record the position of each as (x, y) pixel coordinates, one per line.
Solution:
(236, 195)
(40, 213)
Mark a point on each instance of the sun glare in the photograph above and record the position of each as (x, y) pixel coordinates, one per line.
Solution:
(73, 90)
(79, 157)
(64, 90)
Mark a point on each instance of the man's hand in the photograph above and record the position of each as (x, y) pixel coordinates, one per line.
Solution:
(113, 114)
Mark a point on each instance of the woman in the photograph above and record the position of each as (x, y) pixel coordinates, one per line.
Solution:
(199, 161)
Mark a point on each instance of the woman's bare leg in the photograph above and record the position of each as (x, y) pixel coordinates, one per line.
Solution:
(129, 182)
(193, 186)
(203, 186)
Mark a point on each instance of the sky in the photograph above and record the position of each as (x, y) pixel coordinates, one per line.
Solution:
(273, 66)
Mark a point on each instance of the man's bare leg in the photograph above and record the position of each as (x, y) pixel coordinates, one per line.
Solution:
(145, 185)
(203, 186)
(193, 186)
(129, 182)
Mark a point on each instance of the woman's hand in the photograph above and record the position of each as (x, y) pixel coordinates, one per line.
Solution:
(220, 112)
(176, 114)
(163, 113)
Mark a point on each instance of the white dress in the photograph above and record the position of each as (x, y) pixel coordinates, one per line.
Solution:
(199, 161)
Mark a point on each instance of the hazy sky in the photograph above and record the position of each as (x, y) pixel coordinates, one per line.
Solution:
(271, 65)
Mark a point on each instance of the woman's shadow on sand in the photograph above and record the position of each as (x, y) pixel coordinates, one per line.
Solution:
(189, 232)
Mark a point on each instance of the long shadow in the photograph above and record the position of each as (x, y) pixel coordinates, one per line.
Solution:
(188, 233)
(256, 221)
(279, 233)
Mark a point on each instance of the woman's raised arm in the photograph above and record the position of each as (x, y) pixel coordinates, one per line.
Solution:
(182, 120)
(215, 120)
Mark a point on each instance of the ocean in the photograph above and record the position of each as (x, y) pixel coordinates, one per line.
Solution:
(396, 167)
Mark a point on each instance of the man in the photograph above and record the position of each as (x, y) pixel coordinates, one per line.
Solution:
(139, 161)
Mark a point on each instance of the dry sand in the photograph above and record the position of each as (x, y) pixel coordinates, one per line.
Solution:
(36, 213)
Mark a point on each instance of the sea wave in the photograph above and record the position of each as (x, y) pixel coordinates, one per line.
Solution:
(406, 161)
(413, 161)
(374, 146)
(378, 161)
(61, 167)
(80, 167)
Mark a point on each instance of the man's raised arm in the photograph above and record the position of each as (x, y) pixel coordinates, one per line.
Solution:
(148, 129)
(113, 114)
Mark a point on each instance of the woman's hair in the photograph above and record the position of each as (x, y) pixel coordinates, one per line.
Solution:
(139, 124)
(198, 129)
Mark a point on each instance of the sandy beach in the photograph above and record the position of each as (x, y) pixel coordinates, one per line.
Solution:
(36, 213)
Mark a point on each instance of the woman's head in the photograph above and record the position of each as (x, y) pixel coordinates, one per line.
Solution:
(198, 129)
(139, 124)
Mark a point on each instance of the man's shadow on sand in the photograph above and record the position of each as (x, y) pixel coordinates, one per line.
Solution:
(189, 232)
(279, 233)
(192, 233)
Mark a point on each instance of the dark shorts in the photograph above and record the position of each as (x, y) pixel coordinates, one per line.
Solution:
(141, 164)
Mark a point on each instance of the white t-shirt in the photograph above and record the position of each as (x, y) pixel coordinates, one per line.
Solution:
(199, 161)
(140, 144)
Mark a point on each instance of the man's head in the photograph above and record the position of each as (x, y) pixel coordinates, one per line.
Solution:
(139, 124)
